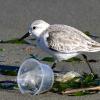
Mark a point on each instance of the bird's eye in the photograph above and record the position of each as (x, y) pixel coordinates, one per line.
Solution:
(34, 27)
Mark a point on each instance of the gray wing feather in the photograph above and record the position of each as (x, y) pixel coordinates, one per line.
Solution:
(66, 39)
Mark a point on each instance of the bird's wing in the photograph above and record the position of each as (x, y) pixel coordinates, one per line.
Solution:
(66, 39)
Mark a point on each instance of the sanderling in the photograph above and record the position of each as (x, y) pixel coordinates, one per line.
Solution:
(61, 41)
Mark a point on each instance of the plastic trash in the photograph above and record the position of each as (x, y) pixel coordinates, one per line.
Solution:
(34, 77)
(67, 76)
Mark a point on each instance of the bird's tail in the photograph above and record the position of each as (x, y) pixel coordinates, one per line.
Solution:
(95, 47)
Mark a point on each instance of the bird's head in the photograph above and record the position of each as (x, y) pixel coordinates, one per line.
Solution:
(36, 28)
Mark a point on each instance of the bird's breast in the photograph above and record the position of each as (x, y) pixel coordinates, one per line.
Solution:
(42, 44)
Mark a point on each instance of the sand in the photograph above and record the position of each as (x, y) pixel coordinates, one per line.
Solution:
(16, 16)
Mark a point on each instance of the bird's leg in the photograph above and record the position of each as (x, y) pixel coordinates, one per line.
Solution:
(85, 58)
(54, 66)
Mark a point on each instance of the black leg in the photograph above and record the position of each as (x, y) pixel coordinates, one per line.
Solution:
(54, 65)
(85, 58)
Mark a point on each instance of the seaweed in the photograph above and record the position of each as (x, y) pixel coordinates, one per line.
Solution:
(9, 85)
(48, 59)
(51, 59)
(74, 59)
(90, 34)
(8, 72)
(85, 81)
(2, 49)
(14, 41)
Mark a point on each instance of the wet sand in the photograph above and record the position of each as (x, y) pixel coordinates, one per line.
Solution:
(15, 17)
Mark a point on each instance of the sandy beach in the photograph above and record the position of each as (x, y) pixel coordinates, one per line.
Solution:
(15, 18)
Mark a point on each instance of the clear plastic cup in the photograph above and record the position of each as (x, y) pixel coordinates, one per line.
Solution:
(34, 77)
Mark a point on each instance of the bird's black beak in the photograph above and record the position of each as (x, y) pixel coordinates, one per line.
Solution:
(25, 36)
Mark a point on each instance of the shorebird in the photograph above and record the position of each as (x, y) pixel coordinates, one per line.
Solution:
(61, 41)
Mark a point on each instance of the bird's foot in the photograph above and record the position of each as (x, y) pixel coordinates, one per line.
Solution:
(54, 65)
(56, 71)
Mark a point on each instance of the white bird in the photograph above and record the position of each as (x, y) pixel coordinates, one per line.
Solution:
(61, 41)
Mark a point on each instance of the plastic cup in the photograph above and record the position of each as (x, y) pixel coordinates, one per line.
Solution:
(34, 77)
